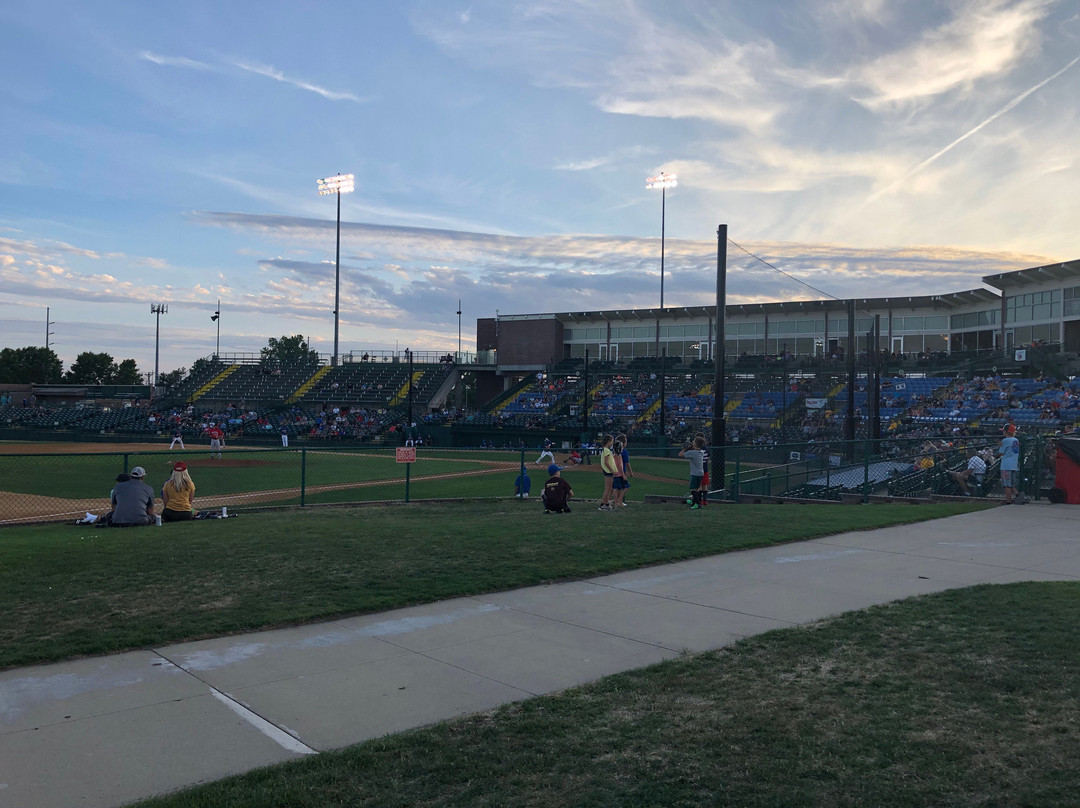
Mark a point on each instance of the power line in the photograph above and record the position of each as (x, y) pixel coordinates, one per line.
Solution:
(785, 274)
(792, 277)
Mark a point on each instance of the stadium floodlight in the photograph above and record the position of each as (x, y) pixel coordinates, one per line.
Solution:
(157, 309)
(338, 184)
(216, 318)
(663, 181)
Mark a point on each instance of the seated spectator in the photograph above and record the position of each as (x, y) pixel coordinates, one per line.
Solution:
(557, 492)
(132, 501)
(178, 494)
(522, 484)
(972, 474)
(123, 477)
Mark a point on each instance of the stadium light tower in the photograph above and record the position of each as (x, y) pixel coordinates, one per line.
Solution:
(338, 184)
(663, 182)
(157, 309)
(49, 323)
(216, 318)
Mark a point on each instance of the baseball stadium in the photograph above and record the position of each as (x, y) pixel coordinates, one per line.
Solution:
(808, 415)
(376, 603)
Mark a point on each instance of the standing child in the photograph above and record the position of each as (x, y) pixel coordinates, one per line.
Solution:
(695, 456)
(627, 471)
(704, 468)
(607, 466)
(617, 480)
(1009, 449)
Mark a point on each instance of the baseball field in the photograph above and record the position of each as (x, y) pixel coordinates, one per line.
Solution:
(54, 482)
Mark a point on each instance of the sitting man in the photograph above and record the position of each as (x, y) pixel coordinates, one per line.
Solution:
(557, 492)
(972, 474)
(132, 501)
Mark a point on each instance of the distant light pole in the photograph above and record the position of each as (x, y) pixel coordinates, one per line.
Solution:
(49, 324)
(662, 181)
(338, 184)
(48, 333)
(216, 318)
(459, 330)
(157, 309)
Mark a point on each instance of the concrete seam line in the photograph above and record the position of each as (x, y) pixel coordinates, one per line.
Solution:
(271, 731)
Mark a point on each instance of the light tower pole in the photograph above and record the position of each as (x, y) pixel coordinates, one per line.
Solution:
(338, 184)
(157, 309)
(216, 318)
(663, 181)
(49, 324)
(459, 330)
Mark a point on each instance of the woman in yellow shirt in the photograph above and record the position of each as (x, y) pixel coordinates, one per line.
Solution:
(607, 466)
(178, 494)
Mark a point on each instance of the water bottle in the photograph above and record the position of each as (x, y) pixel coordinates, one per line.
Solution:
(224, 512)
(157, 521)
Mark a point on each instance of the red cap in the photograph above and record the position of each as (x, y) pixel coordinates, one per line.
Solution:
(179, 466)
(1010, 429)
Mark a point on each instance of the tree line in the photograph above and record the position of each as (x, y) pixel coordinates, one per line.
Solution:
(37, 365)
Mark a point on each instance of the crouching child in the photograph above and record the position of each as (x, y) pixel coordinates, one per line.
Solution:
(557, 492)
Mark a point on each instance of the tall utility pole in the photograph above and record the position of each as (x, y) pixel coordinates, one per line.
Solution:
(408, 353)
(157, 309)
(719, 424)
(459, 330)
(663, 182)
(338, 184)
(585, 399)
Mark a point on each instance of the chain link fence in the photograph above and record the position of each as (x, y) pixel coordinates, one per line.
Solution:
(868, 470)
(62, 487)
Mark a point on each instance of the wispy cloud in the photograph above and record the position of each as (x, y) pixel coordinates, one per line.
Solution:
(941, 152)
(575, 272)
(277, 75)
(985, 38)
(267, 71)
(174, 61)
(612, 158)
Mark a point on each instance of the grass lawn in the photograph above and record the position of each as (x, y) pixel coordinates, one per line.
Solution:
(68, 590)
(964, 698)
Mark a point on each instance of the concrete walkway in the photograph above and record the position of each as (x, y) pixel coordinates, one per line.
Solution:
(110, 730)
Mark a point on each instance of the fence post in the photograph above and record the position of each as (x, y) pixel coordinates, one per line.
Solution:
(303, 474)
(408, 467)
(866, 472)
(1037, 455)
(738, 468)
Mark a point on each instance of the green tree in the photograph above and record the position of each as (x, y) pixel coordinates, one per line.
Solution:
(30, 366)
(127, 372)
(288, 351)
(202, 366)
(91, 368)
(173, 378)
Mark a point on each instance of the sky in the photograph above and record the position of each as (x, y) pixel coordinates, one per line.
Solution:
(168, 153)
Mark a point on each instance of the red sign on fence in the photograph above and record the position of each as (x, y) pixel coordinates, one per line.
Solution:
(406, 454)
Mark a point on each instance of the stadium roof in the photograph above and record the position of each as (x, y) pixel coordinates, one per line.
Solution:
(946, 301)
(1066, 270)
